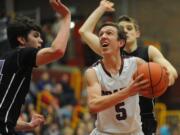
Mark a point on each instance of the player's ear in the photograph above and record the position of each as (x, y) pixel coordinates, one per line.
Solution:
(138, 33)
(21, 40)
(121, 43)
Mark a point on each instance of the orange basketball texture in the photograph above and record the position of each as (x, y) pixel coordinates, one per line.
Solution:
(158, 79)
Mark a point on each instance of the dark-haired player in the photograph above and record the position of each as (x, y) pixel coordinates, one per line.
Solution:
(16, 67)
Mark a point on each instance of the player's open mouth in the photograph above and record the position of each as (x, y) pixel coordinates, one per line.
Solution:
(104, 45)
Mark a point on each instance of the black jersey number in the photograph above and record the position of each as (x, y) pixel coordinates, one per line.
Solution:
(1, 67)
(121, 112)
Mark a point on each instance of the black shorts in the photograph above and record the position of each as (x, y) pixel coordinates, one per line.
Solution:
(3, 130)
(149, 126)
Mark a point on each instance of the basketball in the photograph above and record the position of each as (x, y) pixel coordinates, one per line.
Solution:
(157, 76)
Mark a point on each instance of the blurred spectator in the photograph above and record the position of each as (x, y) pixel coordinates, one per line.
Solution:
(68, 91)
(164, 130)
(32, 95)
(56, 24)
(64, 93)
(48, 35)
(3, 26)
(68, 131)
(44, 82)
(53, 129)
(4, 44)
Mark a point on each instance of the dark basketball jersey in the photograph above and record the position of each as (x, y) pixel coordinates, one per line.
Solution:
(15, 75)
(146, 104)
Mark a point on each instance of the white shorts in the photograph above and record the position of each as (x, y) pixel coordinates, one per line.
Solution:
(96, 132)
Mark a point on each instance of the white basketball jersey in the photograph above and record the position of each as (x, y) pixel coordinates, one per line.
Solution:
(124, 117)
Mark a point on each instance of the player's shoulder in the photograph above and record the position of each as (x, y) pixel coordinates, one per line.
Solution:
(143, 47)
(28, 52)
(133, 60)
(19, 51)
(93, 67)
(28, 49)
(129, 58)
(95, 64)
(89, 72)
(9, 54)
(99, 61)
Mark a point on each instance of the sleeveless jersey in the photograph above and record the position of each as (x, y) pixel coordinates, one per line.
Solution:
(123, 117)
(15, 75)
(146, 104)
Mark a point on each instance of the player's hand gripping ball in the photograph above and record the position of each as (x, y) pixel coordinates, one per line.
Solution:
(157, 76)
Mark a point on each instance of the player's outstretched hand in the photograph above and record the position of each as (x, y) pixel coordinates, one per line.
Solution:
(107, 5)
(59, 7)
(36, 120)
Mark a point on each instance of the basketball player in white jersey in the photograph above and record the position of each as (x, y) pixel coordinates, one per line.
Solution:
(112, 93)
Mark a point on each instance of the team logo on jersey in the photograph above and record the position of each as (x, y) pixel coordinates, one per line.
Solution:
(105, 92)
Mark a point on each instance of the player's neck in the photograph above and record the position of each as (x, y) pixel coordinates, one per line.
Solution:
(112, 64)
(130, 47)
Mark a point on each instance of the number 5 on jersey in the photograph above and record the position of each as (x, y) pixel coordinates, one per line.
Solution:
(121, 112)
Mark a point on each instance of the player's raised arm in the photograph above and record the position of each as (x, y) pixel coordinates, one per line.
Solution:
(86, 30)
(59, 44)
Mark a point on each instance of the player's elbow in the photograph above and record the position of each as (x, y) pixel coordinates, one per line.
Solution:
(81, 31)
(93, 107)
(58, 53)
(175, 74)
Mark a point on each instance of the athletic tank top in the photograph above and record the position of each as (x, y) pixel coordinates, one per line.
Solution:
(146, 104)
(123, 117)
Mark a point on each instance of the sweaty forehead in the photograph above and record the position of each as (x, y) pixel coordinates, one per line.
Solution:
(108, 28)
